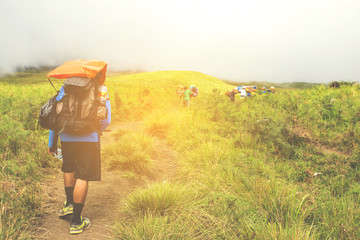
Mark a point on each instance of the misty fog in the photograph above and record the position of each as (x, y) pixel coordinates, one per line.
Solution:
(276, 41)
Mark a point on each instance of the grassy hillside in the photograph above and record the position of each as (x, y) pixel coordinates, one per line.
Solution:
(130, 101)
(274, 166)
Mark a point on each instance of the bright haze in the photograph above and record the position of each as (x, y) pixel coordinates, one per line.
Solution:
(238, 40)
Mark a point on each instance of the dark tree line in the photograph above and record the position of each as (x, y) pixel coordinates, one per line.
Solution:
(336, 84)
(33, 69)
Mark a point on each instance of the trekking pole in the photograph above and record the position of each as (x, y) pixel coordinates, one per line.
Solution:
(52, 85)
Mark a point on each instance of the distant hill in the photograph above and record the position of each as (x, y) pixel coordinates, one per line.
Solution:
(298, 85)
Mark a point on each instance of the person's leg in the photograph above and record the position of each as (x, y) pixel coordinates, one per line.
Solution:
(69, 179)
(80, 192)
(68, 169)
(69, 183)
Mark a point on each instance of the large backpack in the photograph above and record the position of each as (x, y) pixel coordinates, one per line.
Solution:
(194, 91)
(80, 110)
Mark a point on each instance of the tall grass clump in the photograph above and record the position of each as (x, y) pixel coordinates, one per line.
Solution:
(154, 227)
(161, 199)
(155, 213)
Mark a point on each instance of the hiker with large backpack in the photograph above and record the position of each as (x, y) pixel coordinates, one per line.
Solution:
(82, 112)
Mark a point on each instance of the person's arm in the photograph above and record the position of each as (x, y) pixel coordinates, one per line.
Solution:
(106, 122)
(53, 137)
(52, 146)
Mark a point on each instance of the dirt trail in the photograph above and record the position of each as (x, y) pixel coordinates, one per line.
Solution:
(304, 133)
(103, 197)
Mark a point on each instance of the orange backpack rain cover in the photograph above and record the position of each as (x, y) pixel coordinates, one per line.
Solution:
(81, 68)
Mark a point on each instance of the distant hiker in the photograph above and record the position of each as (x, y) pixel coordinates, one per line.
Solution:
(146, 92)
(335, 84)
(242, 93)
(253, 92)
(227, 93)
(186, 97)
(84, 111)
(180, 92)
(232, 95)
(248, 92)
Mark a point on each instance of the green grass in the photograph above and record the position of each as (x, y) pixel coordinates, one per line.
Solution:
(22, 156)
(246, 169)
(158, 199)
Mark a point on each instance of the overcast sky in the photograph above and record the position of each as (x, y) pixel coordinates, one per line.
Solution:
(253, 40)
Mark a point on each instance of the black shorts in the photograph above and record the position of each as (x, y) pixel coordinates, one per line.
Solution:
(83, 158)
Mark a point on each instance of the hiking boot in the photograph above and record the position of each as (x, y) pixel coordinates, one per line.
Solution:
(77, 229)
(66, 210)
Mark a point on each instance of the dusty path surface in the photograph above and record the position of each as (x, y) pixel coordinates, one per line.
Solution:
(104, 197)
(305, 134)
